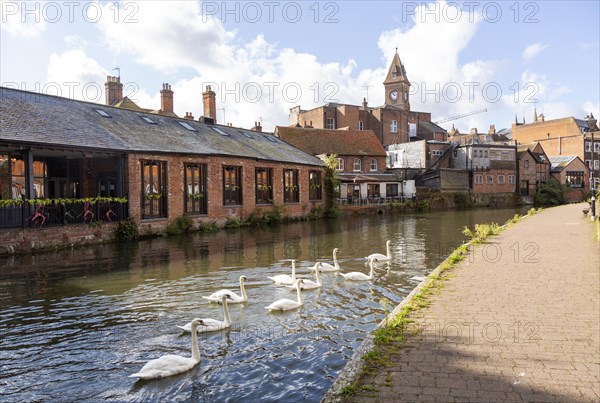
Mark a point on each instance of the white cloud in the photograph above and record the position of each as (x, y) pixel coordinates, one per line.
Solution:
(20, 19)
(76, 76)
(533, 50)
(168, 37)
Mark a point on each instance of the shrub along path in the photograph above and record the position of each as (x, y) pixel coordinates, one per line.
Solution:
(517, 320)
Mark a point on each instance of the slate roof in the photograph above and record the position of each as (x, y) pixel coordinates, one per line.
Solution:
(38, 119)
(329, 141)
(558, 163)
(432, 127)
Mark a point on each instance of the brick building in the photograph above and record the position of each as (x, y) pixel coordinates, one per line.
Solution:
(534, 170)
(393, 122)
(573, 174)
(58, 148)
(493, 167)
(361, 161)
(563, 137)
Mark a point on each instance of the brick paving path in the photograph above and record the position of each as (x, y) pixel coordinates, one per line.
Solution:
(518, 320)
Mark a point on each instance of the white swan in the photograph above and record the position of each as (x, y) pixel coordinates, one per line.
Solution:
(327, 266)
(285, 304)
(211, 325)
(378, 257)
(358, 276)
(286, 279)
(171, 364)
(234, 298)
(309, 284)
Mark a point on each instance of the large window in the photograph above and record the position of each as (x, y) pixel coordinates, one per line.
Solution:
(391, 190)
(195, 194)
(291, 193)
(357, 165)
(330, 123)
(373, 190)
(232, 185)
(394, 126)
(340, 164)
(154, 189)
(315, 185)
(574, 179)
(264, 186)
(12, 178)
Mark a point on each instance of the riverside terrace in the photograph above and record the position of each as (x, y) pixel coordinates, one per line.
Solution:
(70, 159)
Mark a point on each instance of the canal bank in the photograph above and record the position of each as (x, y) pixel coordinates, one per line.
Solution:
(516, 320)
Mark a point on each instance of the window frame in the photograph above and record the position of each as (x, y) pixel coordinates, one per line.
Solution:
(232, 185)
(357, 166)
(154, 199)
(315, 185)
(373, 165)
(394, 126)
(263, 185)
(330, 123)
(291, 186)
(340, 164)
(195, 191)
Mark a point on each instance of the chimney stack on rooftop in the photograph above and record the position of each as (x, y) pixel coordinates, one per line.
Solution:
(210, 103)
(166, 99)
(189, 116)
(257, 127)
(113, 90)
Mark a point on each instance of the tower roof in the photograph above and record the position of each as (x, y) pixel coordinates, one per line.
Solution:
(396, 72)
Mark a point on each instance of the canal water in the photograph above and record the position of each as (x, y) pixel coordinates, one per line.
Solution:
(74, 324)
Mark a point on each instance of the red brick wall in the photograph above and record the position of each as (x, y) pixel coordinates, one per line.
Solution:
(27, 240)
(216, 211)
(494, 187)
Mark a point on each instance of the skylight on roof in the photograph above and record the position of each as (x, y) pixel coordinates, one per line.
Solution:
(148, 120)
(271, 139)
(246, 134)
(220, 131)
(187, 126)
(102, 113)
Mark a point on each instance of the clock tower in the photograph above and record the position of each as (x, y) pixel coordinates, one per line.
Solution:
(397, 85)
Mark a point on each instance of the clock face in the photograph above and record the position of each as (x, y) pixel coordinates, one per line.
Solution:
(394, 95)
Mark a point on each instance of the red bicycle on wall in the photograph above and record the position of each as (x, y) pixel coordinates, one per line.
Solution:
(38, 217)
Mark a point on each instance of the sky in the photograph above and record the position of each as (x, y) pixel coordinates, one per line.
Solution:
(490, 60)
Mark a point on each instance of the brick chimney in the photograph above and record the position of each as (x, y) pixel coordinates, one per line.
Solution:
(492, 129)
(189, 116)
(113, 90)
(210, 103)
(166, 99)
(257, 127)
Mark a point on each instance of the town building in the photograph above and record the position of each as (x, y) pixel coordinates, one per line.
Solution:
(361, 163)
(493, 167)
(393, 122)
(573, 174)
(563, 137)
(534, 170)
(62, 154)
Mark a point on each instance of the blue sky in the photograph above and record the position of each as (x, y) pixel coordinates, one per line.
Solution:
(266, 57)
